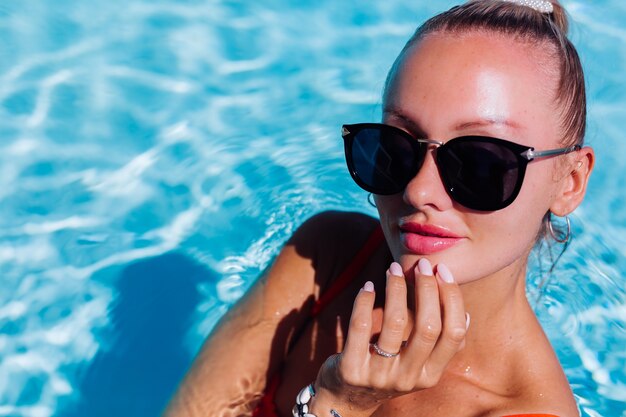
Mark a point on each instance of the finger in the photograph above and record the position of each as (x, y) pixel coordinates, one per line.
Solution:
(467, 325)
(360, 328)
(427, 327)
(455, 321)
(395, 315)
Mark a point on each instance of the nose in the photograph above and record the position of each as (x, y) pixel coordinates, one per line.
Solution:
(426, 190)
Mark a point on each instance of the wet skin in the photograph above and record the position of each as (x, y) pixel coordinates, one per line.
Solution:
(446, 86)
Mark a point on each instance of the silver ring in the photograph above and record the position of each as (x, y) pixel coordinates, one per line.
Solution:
(381, 352)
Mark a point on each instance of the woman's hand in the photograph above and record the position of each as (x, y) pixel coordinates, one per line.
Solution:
(364, 375)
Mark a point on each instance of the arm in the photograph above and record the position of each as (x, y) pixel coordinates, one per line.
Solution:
(249, 343)
(233, 365)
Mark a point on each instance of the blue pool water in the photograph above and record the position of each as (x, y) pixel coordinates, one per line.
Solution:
(155, 155)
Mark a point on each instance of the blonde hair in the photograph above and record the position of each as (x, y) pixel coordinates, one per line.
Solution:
(525, 24)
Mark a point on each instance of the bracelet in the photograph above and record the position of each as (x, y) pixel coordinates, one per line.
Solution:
(301, 409)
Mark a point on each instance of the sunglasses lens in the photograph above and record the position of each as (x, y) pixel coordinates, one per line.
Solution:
(479, 174)
(384, 160)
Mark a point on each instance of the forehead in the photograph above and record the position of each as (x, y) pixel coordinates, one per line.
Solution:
(446, 80)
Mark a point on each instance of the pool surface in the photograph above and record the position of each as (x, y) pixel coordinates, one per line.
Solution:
(155, 155)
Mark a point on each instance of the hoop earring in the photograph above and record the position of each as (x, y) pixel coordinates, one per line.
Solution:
(555, 236)
(370, 199)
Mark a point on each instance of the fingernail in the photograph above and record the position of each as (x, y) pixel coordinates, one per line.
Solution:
(467, 321)
(396, 269)
(424, 266)
(445, 273)
(369, 286)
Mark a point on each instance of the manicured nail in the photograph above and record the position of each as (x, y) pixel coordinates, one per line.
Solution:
(445, 273)
(369, 286)
(425, 267)
(467, 321)
(396, 269)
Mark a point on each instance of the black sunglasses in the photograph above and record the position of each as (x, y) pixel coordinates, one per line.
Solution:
(479, 172)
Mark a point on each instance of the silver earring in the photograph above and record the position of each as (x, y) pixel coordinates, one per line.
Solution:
(370, 199)
(555, 236)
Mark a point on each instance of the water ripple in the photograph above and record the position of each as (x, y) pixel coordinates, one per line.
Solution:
(211, 129)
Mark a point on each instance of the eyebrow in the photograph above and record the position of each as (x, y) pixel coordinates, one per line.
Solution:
(487, 122)
(410, 123)
(481, 122)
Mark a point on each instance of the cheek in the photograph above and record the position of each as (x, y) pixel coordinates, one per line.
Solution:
(538, 192)
(505, 237)
(510, 233)
(498, 241)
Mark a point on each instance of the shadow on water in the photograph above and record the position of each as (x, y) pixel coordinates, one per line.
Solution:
(142, 356)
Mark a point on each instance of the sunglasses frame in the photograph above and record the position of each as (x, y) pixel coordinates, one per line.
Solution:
(524, 155)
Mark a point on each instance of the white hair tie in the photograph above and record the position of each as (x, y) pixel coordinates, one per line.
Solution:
(542, 6)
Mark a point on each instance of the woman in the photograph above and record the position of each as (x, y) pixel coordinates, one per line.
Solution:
(480, 146)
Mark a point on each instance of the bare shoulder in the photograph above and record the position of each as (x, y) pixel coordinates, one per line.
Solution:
(540, 385)
(329, 240)
(337, 228)
(332, 233)
(315, 252)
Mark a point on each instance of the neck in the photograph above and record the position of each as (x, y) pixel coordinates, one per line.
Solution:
(489, 299)
(500, 314)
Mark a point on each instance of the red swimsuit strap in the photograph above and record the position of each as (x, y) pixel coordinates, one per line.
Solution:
(531, 415)
(351, 271)
(266, 406)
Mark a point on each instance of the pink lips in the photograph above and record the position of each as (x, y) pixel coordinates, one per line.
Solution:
(426, 239)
